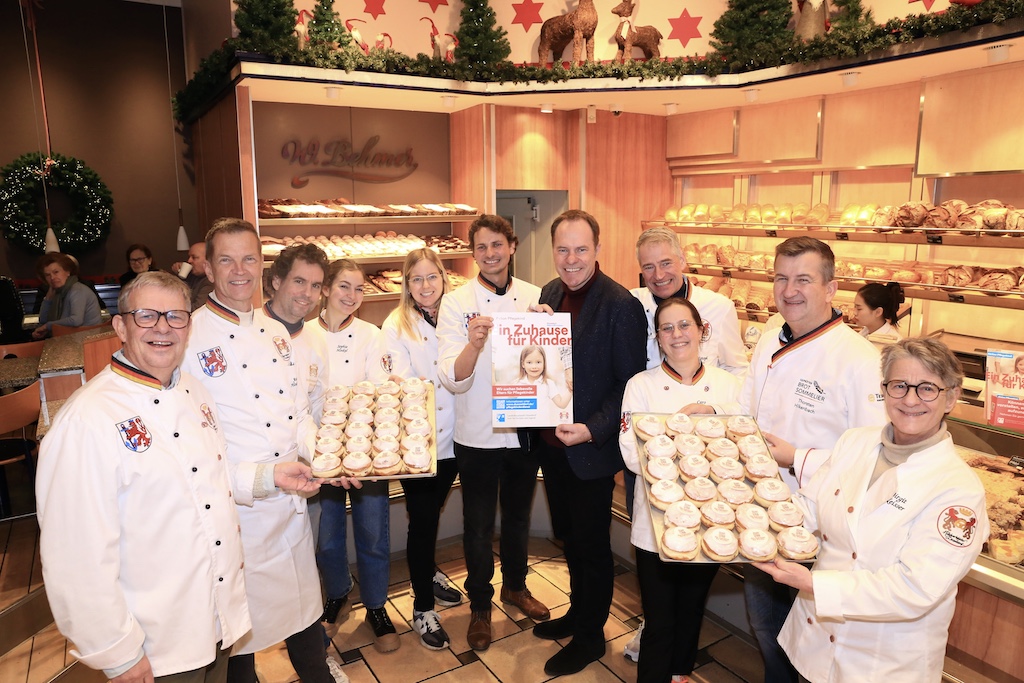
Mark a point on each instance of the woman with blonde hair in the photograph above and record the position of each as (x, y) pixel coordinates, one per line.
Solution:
(411, 340)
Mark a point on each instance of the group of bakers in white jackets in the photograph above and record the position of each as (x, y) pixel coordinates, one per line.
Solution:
(197, 432)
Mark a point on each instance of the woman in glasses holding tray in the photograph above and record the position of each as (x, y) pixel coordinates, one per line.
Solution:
(411, 338)
(901, 520)
(672, 594)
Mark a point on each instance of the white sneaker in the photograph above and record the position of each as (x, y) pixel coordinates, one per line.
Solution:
(336, 671)
(632, 649)
(428, 625)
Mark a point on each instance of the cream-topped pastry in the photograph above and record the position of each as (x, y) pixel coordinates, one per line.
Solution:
(329, 431)
(693, 466)
(660, 468)
(679, 543)
(410, 400)
(740, 425)
(360, 402)
(333, 417)
(327, 446)
(719, 544)
(726, 468)
(660, 447)
(413, 441)
(387, 464)
(648, 427)
(417, 461)
(389, 387)
(678, 423)
(365, 388)
(356, 464)
(717, 513)
(385, 415)
(414, 413)
(414, 386)
(760, 467)
(419, 426)
(768, 491)
(385, 444)
(710, 428)
(797, 543)
(664, 492)
(700, 490)
(751, 445)
(358, 429)
(338, 391)
(361, 415)
(751, 516)
(722, 448)
(326, 466)
(784, 514)
(688, 444)
(682, 513)
(735, 492)
(336, 403)
(387, 401)
(388, 429)
(357, 444)
(757, 545)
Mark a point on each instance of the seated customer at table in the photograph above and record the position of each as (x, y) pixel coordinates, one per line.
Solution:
(140, 260)
(69, 302)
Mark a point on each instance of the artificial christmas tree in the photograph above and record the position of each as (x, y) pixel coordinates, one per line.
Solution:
(267, 26)
(480, 41)
(326, 27)
(752, 34)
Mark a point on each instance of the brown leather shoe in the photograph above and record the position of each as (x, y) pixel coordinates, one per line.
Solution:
(479, 633)
(527, 604)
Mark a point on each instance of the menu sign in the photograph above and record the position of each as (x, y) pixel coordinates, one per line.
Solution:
(531, 358)
(1004, 390)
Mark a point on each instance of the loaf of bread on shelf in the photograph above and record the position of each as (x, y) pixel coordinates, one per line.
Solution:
(995, 219)
(758, 298)
(716, 283)
(753, 214)
(970, 220)
(912, 214)
(784, 216)
(772, 308)
(691, 252)
(740, 292)
(866, 215)
(941, 218)
(854, 269)
(800, 211)
(686, 212)
(1001, 280)
(906, 275)
(959, 276)
(672, 214)
(700, 212)
(1015, 221)
(726, 290)
(768, 213)
(709, 255)
(849, 214)
(842, 268)
(716, 213)
(877, 273)
(757, 262)
(727, 255)
(738, 213)
(957, 206)
(818, 215)
(885, 217)
(742, 259)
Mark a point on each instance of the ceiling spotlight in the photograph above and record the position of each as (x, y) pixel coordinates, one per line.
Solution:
(332, 92)
(671, 108)
(547, 108)
(998, 53)
(448, 101)
(615, 109)
(750, 94)
(850, 78)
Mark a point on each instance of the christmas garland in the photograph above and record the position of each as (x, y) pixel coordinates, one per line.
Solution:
(22, 212)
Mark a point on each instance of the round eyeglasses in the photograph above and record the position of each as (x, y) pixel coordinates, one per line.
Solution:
(147, 317)
(926, 391)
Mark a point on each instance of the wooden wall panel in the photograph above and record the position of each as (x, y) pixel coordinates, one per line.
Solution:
(984, 626)
(709, 189)
(626, 181)
(701, 134)
(872, 127)
(871, 186)
(218, 178)
(783, 131)
(781, 188)
(971, 121)
(531, 148)
(472, 181)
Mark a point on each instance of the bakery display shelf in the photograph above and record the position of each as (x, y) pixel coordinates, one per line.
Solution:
(396, 258)
(1002, 580)
(381, 296)
(366, 220)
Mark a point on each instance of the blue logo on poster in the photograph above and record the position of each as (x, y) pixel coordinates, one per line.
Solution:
(501, 418)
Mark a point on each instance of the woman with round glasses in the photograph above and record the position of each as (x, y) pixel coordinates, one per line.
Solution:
(411, 338)
(140, 260)
(901, 519)
(672, 594)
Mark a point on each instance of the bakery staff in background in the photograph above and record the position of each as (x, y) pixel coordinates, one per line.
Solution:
(876, 307)
(493, 467)
(807, 384)
(245, 360)
(901, 518)
(141, 553)
(579, 460)
(195, 275)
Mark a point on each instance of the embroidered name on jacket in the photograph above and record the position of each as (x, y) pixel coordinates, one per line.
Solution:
(809, 394)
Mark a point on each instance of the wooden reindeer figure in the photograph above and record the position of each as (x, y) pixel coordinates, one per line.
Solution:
(628, 36)
(577, 26)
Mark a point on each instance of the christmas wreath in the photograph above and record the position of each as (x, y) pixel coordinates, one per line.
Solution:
(23, 205)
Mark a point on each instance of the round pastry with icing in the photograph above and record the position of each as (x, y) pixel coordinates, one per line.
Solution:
(333, 417)
(693, 466)
(740, 425)
(336, 403)
(757, 545)
(688, 444)
(414, 386)
(414, 413)
(388, 401)
(417, 460)
(797, 543)
(722, 448)
(750, 516)
(390, 388)
(751, 445)
(326, 466)
(385, 415)
(387, 464)
(356, 464)
(329, 431)
(327, 446)
(660, 468)
(419, 426)
(660, 447)
(414, 441)
(717, 513)
(410, 400)
(784, 514)
(388, 429)
(648, 427)
(760, 467)
(664, 492)
(358, 429)
(338, 391)
(726, 468)
(358, 444)
(700, 490)
(678, 423)
(683, 513)
(710, 428)
(719, 544)
(768, 491)
(364, 415)
(679, 543)
(360, 402)
(385, 444)
(365, 388)
(735, 492)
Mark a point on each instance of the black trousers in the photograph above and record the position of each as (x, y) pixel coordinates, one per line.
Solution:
(673, 597)
(582, 509)
(490, 476)
(305, 650)
(424, 499)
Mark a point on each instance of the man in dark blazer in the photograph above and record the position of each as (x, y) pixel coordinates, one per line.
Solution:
(579, 460)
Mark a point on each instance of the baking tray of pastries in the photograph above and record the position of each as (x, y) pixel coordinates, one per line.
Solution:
(377, 432)
(714, 491)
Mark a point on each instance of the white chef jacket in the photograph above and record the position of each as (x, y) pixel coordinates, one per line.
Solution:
(658, 391)
(355, 352)
(813, 389)
(139, 535)
(418, 358)
(889, 563)
(724, 348)
(246, 362)
(310, 361)
(886, 330)
(473, 394)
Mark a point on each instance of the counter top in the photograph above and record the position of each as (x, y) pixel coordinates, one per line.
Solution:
(64, 354)
(18, 372)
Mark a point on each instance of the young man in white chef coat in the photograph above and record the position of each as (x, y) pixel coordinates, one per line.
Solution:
(247, 363)
(807, 384)
(142, 555)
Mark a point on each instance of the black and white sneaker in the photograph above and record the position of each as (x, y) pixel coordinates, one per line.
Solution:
(444, 592)
(428, 625)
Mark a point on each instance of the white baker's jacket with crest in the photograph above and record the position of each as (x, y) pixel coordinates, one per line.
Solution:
(889, 563)
(246, 362)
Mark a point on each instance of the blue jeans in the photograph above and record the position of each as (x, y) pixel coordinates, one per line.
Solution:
(768, 605)
(370, 524)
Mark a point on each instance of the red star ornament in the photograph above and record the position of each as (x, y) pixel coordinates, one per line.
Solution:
(927, 3)
(375, 8)
(527, 13)
(685, 27)
(434, 4)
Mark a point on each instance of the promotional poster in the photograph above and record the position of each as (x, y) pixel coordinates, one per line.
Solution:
(531, 356)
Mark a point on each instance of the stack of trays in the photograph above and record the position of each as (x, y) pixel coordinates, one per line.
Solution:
(714, 491)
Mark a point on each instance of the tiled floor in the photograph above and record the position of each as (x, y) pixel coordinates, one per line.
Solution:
(515, 656)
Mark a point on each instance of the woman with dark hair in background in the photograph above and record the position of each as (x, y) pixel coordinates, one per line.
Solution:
(877, 306)
(140, 260)
(69, 302)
